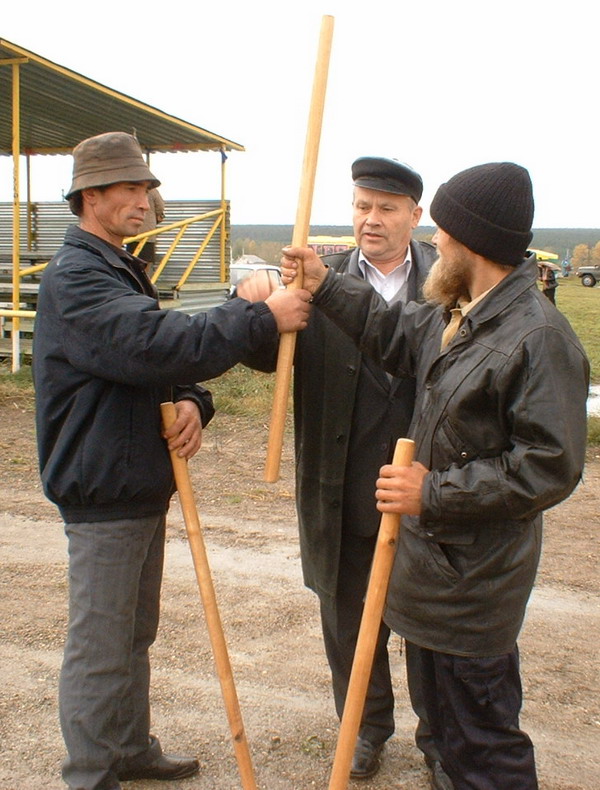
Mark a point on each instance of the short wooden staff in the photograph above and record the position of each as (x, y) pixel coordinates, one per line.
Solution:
(213, 620)
(287, 342)
(383, 559)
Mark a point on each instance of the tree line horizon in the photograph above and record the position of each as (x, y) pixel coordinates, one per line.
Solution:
(581, 246)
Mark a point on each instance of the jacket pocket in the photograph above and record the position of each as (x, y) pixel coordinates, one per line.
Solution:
(442, 562)
(492, 686)
(452, 446)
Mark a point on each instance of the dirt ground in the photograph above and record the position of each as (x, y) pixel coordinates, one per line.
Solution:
(272, 630)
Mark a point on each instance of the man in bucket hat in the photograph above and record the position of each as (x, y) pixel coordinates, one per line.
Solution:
(489, 354)
(105, 357)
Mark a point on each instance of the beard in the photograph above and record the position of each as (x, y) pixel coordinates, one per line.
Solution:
(448, 282)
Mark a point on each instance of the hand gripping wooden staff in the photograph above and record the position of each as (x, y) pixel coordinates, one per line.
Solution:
(287, 342)
(383, 559)
(213, 620)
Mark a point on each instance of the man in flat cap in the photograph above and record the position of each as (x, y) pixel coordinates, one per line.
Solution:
(488, 353)
(105, 357)
(348, 414)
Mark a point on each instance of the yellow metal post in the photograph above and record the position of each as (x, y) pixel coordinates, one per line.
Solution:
(183, 279)
(29, 222)
(16, 152)
(223, 223)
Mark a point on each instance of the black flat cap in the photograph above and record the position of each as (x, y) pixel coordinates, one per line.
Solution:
(387, 175)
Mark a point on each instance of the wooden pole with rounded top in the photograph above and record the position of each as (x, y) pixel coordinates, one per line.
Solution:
(383, 559)
(287, 342)
(213, 620)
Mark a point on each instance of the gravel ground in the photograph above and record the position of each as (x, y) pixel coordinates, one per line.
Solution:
(273, 634)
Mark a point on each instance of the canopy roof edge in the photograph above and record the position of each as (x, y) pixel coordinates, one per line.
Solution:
(59, 108)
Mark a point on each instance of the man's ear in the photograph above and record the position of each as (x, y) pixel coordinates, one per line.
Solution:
(416, 217)
(89, 195)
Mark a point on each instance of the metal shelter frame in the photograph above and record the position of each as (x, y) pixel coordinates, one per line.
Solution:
(46, 109)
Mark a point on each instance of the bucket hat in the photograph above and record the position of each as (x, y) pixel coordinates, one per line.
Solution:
(108, 159)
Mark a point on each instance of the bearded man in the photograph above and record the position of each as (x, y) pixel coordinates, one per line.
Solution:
(490, 356)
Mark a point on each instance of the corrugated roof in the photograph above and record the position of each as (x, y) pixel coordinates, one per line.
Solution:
(60, 107)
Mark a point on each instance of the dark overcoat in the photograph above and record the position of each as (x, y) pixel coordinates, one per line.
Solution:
(347, 415)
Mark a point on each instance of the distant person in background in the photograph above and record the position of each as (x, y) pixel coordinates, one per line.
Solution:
(549, 283)
(154, 216)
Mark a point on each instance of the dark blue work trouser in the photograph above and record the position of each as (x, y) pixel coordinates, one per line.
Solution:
(473, 707)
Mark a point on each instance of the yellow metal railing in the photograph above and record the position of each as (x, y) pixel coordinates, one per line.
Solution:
(142, 238)
(39, 267)
(181, 226)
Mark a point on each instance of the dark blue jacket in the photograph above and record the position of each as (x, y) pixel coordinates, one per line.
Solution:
(105, 356)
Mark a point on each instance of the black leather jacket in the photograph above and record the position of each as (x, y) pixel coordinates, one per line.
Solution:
(500, 421)
(105, 356)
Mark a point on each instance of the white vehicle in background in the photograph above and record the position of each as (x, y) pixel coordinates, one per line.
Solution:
(240, 270)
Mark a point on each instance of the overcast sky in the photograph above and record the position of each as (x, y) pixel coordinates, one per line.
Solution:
(440, 85)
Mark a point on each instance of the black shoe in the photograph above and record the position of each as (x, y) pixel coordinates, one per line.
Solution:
(365, 762)
(438, 778)
(167, 766)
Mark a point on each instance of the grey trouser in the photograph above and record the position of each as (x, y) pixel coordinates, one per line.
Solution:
(115, 574)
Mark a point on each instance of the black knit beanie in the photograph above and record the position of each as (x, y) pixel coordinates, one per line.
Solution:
(489, 209)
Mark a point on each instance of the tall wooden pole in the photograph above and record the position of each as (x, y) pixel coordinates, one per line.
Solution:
(383, 559)
(213, 619)
(287, 343)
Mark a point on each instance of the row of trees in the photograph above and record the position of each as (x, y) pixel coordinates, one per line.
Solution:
(584, 255)
(270, 251)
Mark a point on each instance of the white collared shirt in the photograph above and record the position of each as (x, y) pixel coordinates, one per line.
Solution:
(387, 285)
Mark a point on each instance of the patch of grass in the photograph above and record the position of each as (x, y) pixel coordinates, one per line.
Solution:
(243, 392)
(16, 386)
(582, 307)
(248, 393)
(314, 746)
(593, 434)
(21, 379)
(240, 391)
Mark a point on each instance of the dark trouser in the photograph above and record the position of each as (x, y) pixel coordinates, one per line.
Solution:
(341, 622)
(115, 574)
(473, 709)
